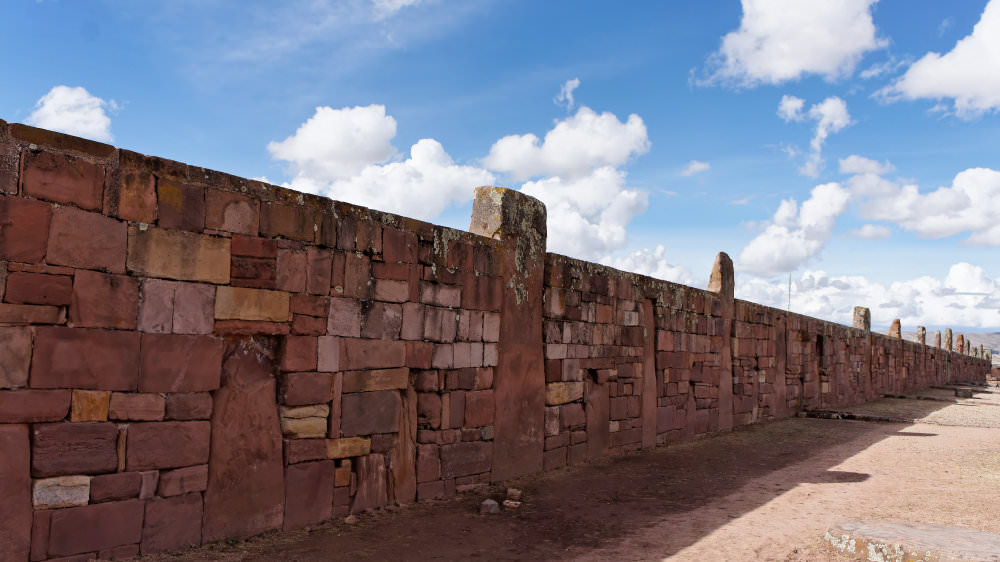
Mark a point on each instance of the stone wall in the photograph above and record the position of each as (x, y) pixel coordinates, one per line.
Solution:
(187, 356)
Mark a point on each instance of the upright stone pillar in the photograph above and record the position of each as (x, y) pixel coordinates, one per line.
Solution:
(723, 283)
(518, 222)
(863, 321)
(947, 339)
(960, 344)
(937, 339)
(922, 335)
(895, 331)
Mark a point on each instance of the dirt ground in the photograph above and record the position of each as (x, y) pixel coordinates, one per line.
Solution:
(767, 492)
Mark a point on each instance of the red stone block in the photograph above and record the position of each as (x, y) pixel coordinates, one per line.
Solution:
(131, 195)
(21, 314)
(232, 212)
(33, 406)
(572, 415)
(15, 489)
(479, 408)
(300, 389)
(156, 310)
(440, 324)
(358, 354)
(299, 353)
(15, 355)
(372, 485)
(119, 552)
(391, 291)
(39, 535)
(104, 301)
(250, 328)
(337, 273)
(157, 445)
(308, 325)
(428, 463)
(430, 490)
(419, 354)
(291, 221)
(302, 450)
(553, 459)
(399, 245)
(62, 179)
(74, 448)
(291, 272)
(194, 308)
(189, 406)
(440, 295)
(413, 321)
(178, 363)
(357, 276)
(38, 288)
(87, 240)
(85, 359)
(10, 164)
(319, 265)
(254, 247)
(24, 229)
(382, 321)
(336, 403)
(181, 206)
(463, 459)
(367, 413)
(457, 410)
(183, 481)
(310, 305)
(429, 409)
(308, 493)
(117, 486)
(172, 523)
(95, 527)
(136, 407)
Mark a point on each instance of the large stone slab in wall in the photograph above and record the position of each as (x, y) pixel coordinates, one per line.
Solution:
(15, 491)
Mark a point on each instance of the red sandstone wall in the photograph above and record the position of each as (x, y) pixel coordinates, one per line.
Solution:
(186, 356)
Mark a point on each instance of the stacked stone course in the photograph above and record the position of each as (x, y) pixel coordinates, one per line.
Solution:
(187, 356)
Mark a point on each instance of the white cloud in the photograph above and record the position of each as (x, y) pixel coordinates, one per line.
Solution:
(790, 108)
(969, 74)
(830, 115)
(345, 154)
(890, 65)
(73, 111)
(855, 164)
(795, 234)
(565, 97)
(387, 8)
(872, 232)
(695, 167)
(652, 263)
(782, 40)
(967, 296)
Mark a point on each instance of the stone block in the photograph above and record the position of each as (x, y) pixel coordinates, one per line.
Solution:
(231, 212)
(310, 305)
(372, 489)
(479, 408)
(291, 271)
(24, 229)
(419, 354)
(181, 206)
(61, 491)
(104, 301)
(399, 245)
(60, 449)
(95, 527)
(440, 324)
(86, 240)
(572, 415)
(136, 407)
(382, 321)
(33, 406)
(358, 354)
(18, 314)
(388, 290)
(194, 309)
(10, 165)
(304, 422)
(300, 389)
(38, 288)
(491, 327)
(344, 318)
(117, 486)
(342, 475)
(89, 406)
(15, 356)
(357, 275)
(61, 178)
(189, 406)
(173, 254)
(131, 195)
(299, 353)
(563, 392)
(348, 447)
(180, 363)
(172, 523)
(297, 222)
(368, 413)
(238, 303)
(413, 321)
(329, 353)
(308, 493)
(379, 379)
(156, 308)
(304, 450)
(319, 263)
(463, 459)
(183, 481)
(15, 489)
(158, 445)
(428, 463)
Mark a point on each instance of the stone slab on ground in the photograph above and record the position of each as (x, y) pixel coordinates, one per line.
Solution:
(893, 541)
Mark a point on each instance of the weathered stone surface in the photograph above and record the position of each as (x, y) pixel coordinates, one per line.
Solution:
(86, 240)
(329, 354)
(463, 459)
(182, 481)
(299, 389)
(299, 353)
(24, 229)
(19, 314)
(172, 523)
(61, 491)
(156, 310)
(428, 463)
(89, 406)
(38, 288)
(344, 318)
(63, 179)
(479, 408)
(118, 486)
(104, 301)
(15, 356)
(189, 406)
(181, 206)
(372, 486)
(367, 413)
(297, 222)
(563, 392)
(10, 164)
(348, 447)
(379, 379)
(33, 406)
(358, 354)
(60, 449)
(239, 303)
(245, 466)
(131, 195)
(232, 212)
(308, 493)
(291, 271)
(95, 527)
(303, 450)
(194, 306)
(85, 358)
(304, 422)
(136, 407)
(181, 255)
(157, 445)
(402, 458)
(180, 363)
(894, 329)
(15, 489)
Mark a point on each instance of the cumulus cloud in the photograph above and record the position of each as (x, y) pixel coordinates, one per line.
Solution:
(969, 74)
(782, 40)
(73, 111)
(790, 108)
(830, 115)
(795, 234)
(347, 154)
(967, 296)
(652, 263)
(855, 164)
(872, 232)
(565, 97)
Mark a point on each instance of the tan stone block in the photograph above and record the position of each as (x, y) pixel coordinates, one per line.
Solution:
(304, 422)
(89, 405)
(382, 379)
(62, 491)
(179, 255)
(240, 303)
(563, 392)
(348, 447)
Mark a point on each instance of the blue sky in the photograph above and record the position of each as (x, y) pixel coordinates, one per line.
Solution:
(884, 103)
